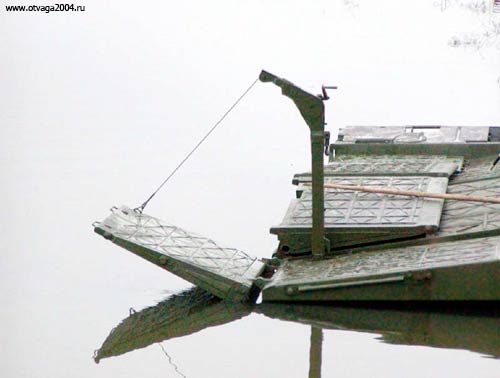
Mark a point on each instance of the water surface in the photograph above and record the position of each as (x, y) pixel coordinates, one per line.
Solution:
(471, 327)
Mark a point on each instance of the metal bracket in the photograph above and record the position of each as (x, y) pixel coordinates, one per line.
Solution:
(327, 142)
(324, 96)
(291, 290)
(312, 109)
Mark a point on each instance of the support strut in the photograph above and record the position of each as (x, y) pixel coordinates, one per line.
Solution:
(312, 109)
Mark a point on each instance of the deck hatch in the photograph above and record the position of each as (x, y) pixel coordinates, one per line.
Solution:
(353, 217)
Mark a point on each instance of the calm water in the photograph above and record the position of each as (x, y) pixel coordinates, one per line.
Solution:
(305, 340)
(97, 108)
(64, 288)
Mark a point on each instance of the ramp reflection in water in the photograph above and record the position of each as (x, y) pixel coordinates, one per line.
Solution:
(469, 326)
(179, 315)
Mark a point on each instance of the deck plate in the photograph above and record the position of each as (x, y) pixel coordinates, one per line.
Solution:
(411, 273)
(353, 218)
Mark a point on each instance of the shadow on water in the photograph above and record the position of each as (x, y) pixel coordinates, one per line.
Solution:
(471, 326)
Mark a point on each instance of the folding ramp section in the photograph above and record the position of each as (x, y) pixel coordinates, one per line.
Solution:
(227, 273)
(354, 218)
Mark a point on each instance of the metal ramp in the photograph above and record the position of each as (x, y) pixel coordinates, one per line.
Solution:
(354, 218)
(227, 273)
(388, 165)
(458, 270)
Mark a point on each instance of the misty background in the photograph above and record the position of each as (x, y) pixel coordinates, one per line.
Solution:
(97, 107)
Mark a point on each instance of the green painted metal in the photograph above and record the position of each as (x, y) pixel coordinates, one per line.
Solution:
(353, 218)
(467, 150)
(385, 247)
(312, 109)
(477, 169)
(457, 260)
(468, 218)
(388, 165)
(468, 142)
(413, 134)
(460, 270)
(225, 272)
(315, 352)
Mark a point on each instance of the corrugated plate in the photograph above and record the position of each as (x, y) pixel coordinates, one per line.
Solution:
(388, 165)
(477, 169)
(366, 269)
(353, 217)
(413, 134)
(461, 217)
(225, 272)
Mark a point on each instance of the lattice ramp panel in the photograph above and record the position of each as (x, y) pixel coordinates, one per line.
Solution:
(399, 260)
(358, 208)
(465, 217)
(389, 165)
(184, 253)
(474, 170)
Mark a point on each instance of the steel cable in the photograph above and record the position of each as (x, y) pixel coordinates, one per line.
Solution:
(144, 204)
